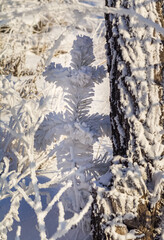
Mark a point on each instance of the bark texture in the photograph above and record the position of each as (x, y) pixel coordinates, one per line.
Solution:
(129, 199)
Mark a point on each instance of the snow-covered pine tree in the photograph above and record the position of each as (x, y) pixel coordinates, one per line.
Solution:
(129, 199)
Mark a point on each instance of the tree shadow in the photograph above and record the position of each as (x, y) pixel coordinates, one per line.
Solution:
(75, 128)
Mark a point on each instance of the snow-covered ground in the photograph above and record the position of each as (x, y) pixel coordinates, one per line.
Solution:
(57, 25)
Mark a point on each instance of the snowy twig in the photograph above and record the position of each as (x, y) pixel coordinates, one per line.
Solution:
(65, 225)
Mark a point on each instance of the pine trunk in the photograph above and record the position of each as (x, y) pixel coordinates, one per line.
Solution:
(129, 199)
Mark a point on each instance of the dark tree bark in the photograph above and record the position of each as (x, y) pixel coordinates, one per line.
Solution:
(129, 199)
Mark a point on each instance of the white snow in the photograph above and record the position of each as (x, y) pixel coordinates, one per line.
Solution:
(50, 195)
(55, 117)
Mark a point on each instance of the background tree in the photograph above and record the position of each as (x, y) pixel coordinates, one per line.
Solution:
(129, 198)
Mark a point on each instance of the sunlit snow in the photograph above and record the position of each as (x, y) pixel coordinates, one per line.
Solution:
(51, 172)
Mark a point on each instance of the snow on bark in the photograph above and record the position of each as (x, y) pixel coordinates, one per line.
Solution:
(129, 204)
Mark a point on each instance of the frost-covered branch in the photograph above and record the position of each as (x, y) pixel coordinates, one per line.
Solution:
(65, 225)
(131, 13)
